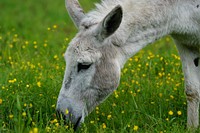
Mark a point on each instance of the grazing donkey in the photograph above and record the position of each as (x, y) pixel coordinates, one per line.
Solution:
(116, 30)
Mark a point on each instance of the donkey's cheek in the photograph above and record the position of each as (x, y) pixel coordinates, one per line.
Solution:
(108, 81)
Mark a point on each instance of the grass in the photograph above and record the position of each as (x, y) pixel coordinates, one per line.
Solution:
(33, 37)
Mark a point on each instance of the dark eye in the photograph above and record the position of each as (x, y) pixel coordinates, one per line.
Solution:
(83, 66)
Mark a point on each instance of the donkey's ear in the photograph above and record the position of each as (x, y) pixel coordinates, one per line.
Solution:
(110, 23)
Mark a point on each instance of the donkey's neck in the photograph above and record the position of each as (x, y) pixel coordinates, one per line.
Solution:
(140, 39)
(144, 22)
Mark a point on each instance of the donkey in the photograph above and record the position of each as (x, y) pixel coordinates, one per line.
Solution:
(112, 33)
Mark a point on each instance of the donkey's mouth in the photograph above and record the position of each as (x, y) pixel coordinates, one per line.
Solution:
(67, 120)
(77, 124)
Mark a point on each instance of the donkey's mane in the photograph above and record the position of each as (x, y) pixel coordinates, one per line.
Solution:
(132, 20)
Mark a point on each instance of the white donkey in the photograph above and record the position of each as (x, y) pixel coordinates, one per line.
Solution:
(116, 30)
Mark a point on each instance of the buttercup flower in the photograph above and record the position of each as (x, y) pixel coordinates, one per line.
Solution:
(170, 112)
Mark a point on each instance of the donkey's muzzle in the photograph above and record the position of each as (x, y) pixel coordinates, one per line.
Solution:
(69, 118)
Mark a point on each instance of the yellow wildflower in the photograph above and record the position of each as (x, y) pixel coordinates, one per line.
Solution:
(135, 128)
(11, 45)
(136, 59)
(66, 39)
(104, 125)
(57, 124)
(66, 111)
(55, 121)
(48, 129)
(26, 42)
(66, 127)
(35, 130)
(170, 112)
(1, 101)
(109, 117)
(114, 105)
(24, 114)
(39, 84)
(11, 116)
(92, 122)
(30, 105)
(45, 45)
(179, 112)
(34, 42)
(55, 26)
(171, 96)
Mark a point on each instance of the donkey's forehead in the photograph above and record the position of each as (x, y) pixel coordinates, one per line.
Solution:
(79, 45)
(82, 41)
(82, 49)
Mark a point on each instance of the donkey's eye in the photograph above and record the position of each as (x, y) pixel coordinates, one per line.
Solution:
(83, 66)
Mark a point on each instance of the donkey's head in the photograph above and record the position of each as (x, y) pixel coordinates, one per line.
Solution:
(92, 69)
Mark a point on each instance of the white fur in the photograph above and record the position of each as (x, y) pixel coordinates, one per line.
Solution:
(143, 22)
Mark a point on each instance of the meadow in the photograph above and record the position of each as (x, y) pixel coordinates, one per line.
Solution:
(33, 38)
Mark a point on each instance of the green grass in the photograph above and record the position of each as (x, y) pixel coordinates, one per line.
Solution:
(33, 37)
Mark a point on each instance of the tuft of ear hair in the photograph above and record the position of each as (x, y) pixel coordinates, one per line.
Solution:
(110, 23)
